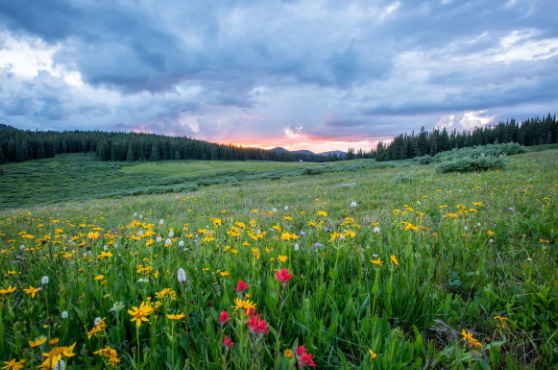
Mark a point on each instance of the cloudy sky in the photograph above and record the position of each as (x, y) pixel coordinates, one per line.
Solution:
(308, 74)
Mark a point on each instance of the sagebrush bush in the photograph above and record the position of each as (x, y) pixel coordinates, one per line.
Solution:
(468, 164)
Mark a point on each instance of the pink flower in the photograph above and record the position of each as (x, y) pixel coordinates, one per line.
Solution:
(228, 343)
(304, 359)
(242, 286)
(224, 318)
(255, 325)
(284, 277)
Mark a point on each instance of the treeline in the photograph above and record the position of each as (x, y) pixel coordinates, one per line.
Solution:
(534, 131)
(19, 146)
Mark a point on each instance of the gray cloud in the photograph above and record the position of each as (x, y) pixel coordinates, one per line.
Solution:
(366, 66)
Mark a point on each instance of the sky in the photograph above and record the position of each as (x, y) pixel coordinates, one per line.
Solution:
(309, 74)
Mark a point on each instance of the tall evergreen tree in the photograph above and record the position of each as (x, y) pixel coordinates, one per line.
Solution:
(130, 155)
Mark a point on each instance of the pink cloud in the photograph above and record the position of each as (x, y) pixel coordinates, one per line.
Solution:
(254, 116)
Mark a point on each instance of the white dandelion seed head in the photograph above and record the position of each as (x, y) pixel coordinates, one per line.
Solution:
(274, 209)
(465, 228)
(296, 247)
(142, 280)
(105, 248)
(141, 217)
(376, 229)
(181, 275)
(181, 243)
(135, 214)
(353, 204)
(140, 233)
(168, 242)
(286, 208)
(491, 241)
(115, 245)
(478, 224)
(171, 234)
(22, 247)
(97, 321)
(161, 222)
(44, 280)
(159, 239)
(64, 314)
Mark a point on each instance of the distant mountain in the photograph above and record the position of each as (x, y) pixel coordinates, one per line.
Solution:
(6, 127)
(302, 152)
(338, 152)
(279, 149)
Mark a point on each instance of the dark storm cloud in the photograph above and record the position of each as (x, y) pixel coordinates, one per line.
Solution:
(368, 64)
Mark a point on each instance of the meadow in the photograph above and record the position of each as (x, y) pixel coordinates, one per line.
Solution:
(409, 269)
(80, 176)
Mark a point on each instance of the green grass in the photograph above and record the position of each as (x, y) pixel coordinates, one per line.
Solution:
(469, 246)
(79, 176)
(200, 168)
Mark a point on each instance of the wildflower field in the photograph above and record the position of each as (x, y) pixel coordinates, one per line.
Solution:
(408, 269)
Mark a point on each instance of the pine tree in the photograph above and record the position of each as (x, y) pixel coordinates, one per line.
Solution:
(154, 153)
(21, 153)
(130, 155)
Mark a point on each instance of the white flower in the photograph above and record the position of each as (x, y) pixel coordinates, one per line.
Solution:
(353, 204)
(141, 217)
(466, 228)
(376, 229)
(296, 247)
(97, 321)
(171, 234)
(22, 247)
(60, 365)
(161, 222)
(491, 241)
(478, 224)
(181, 243)
(140, 233)
(105, 248)
(168, 242)
(181, 275)
(143, 280)
(135, 214)
(64, 315)
(117, 306)
(44, 280)
(159, 239)
(274, 209)
(115, 245)
(286, 208)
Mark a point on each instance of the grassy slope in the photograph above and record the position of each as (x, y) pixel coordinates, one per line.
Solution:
(80, 176)
(198, 168)
(447, 273)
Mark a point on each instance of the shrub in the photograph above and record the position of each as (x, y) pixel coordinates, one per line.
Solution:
(425, 159)
(313, 171)
(469, 164)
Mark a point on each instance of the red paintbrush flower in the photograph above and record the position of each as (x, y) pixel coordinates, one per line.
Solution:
(241, 286)
(224, 318)
(228, 343)
(255, 325)
(304, 359)
(284, 277)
